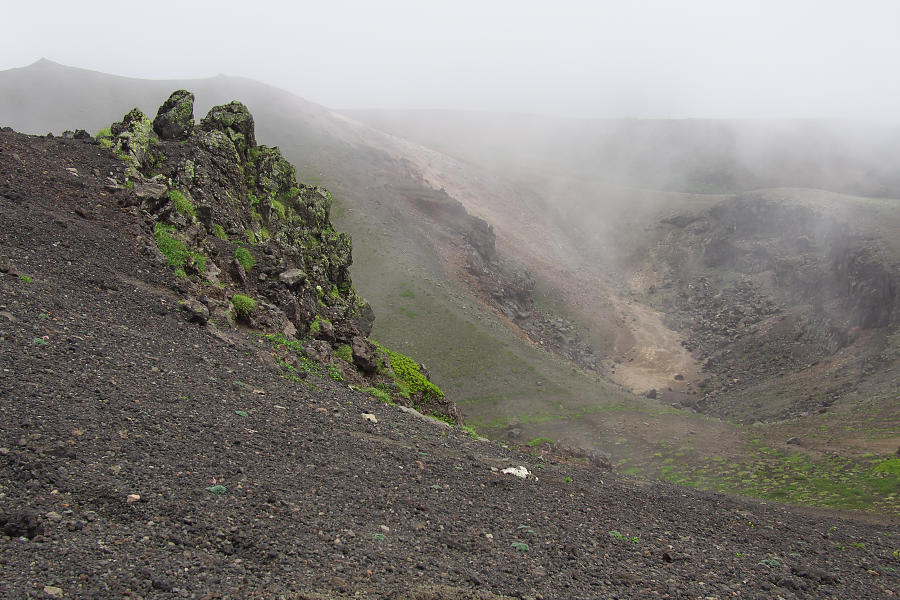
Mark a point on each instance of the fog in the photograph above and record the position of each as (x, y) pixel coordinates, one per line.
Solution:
(648, 59)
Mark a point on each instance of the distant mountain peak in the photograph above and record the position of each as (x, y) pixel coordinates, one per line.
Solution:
(43, 63)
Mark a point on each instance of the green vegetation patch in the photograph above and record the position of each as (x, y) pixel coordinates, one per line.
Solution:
(540, 441)
(278, 209)
(316, 326)
(104, 138)
(832, 481)
(243, 305)
(182, 205)
(175, 251)
(378, 394)
(244, 257)
(887, 467)
(302, 366)
(219, 232)
(407, 370)
(345, 353)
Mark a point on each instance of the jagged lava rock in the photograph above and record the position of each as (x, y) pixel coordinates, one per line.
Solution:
(175, 118)
(236, 122)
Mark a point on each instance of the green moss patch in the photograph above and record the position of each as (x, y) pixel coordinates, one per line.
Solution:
(407, 370)
(243, 305)
(104, 138)
(175, 251)
(345, 353)
(182, 205)
(244, 257)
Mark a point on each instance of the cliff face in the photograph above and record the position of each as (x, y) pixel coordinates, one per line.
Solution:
(251, 246)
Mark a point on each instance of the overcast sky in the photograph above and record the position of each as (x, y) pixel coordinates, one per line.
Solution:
(625, 58)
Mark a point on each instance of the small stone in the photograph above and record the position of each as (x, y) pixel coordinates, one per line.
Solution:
(4, 264)
(794, 441)
(53, 591)
(679, 377)
(651, 393)
(132, 498)
(369, 417)
(4, 451)
(53, 516)
(385, 528)
(150, 191)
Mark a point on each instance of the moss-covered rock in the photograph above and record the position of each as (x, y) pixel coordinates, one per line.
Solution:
(132, 137)
(175, 118)
(236, 122)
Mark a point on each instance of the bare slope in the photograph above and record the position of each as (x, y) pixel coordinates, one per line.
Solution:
(142, 454)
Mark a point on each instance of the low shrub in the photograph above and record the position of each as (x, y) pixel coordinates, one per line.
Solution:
(244, 257)
(243, 305)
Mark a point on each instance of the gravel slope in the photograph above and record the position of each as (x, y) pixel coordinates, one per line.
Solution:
(108, 391)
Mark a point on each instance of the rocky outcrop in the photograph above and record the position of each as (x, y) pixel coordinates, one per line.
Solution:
(132, 136)
(868, 289)
(175, 118)
(236, 122)
(249, 244)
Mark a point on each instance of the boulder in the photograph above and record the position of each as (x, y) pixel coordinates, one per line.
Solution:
(175, 118)
(236, 122)
(195, 311)
(365, 354)
(292, 277)
(362, 315)
(599, 459)
(151, 195)
(238, 274)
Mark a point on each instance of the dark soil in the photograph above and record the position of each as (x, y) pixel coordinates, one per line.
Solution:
(108, 390)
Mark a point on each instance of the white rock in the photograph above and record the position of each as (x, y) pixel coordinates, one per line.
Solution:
(132, 498)
(369, 417)
(520, 472)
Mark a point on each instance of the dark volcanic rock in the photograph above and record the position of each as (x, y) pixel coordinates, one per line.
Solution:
(175, 118)
(236, 122)
(365, 354)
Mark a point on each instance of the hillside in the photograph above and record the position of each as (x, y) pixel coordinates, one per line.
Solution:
(410, 262)
(150, 448)
(477, 267)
